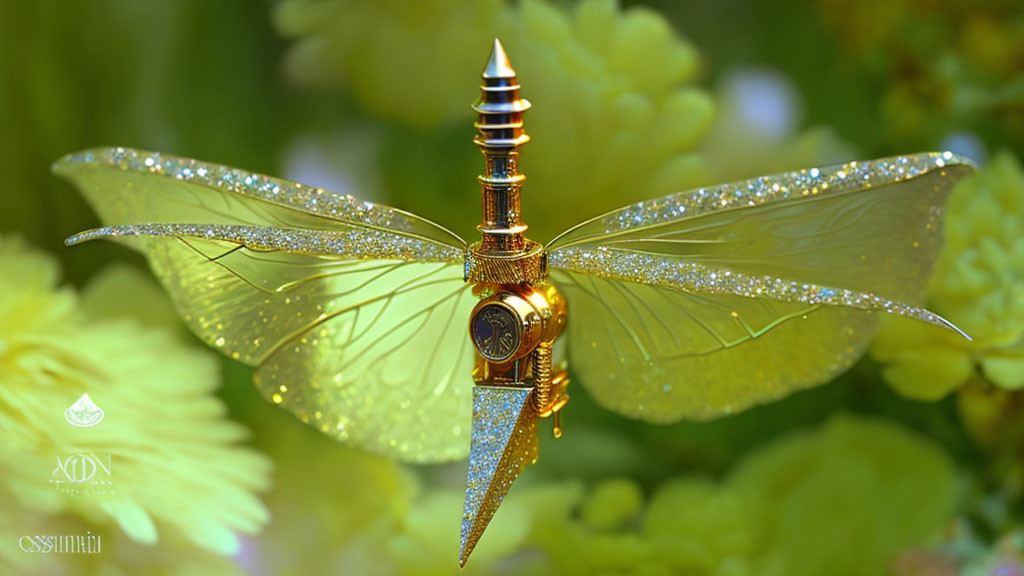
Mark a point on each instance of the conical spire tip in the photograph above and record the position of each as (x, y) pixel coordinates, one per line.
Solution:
(498, 65)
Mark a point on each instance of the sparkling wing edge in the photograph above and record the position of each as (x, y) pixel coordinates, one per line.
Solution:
(356, 243)
(795, 185)
(312, 200)
(654, 270)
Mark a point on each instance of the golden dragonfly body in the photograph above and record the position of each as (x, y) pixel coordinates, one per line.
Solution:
(693, 305)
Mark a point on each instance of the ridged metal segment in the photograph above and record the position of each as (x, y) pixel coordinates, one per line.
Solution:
(529, 267)
(499, 135)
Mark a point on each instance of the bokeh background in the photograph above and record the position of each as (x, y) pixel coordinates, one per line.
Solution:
(911, 463)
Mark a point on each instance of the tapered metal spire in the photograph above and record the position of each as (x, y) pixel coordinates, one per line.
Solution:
(499, 135)
(498, 65)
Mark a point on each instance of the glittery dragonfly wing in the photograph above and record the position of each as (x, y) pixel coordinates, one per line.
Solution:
(352, 312)
(705, 302)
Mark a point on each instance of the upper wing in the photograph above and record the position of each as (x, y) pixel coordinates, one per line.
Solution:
(705, 302)
(127, 186)
(347, 308)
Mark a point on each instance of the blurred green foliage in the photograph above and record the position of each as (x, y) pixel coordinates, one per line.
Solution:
(630, 101)
(977, 286)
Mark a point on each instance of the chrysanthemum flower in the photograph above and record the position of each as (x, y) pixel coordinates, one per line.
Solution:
(758, 129)
(616, 116)
(175, 460)
(338, 510)
(941, 67)
(416, 62)
(978, 285)
(844, 499)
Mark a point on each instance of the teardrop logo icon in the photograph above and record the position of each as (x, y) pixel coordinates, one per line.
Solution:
(84, 413)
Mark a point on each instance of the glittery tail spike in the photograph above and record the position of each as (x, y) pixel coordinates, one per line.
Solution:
(504, 440)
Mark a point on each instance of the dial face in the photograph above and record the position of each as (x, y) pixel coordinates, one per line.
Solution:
(496, 332)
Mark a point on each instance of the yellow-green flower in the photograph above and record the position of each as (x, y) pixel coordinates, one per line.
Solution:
(365, 514)
(612, 503)
(978, 285)
(416, 62)
(696, 526)
(757, 130)
(940, 67)
(993, 417)
(616, 117)
(844, 499)
(176, 467)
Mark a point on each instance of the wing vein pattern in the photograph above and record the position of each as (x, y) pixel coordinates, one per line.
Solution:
(345, 308)
(703, 303)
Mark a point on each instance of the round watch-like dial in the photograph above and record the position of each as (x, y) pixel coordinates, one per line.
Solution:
(496, 332)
